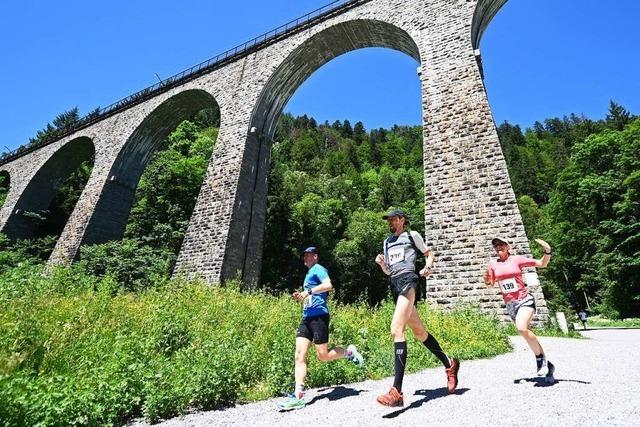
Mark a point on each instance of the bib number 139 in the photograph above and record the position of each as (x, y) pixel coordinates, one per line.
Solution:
(508, 285)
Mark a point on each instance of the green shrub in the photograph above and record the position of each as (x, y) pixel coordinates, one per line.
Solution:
(132, 265)
(603, 322)
(21, 252)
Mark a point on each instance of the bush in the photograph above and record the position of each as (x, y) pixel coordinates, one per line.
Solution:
(27, 251)
(132, 265)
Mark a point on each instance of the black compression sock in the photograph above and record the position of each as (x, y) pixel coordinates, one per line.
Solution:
(400, 362)
(432, 344)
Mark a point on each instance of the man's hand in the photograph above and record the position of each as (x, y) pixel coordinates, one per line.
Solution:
(426, 271)
(299, 296)
(382, 264)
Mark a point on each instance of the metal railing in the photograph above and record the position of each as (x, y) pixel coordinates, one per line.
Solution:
(239, 51)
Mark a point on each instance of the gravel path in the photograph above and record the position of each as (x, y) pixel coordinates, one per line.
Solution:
(597, 383)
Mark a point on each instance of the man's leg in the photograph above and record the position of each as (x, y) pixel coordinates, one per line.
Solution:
(321, 338)
(451, 365)
(420, 332)
(326, 355)
(401, 315)
(302, 347)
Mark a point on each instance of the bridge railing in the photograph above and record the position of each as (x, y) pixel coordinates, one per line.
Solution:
(186, 75)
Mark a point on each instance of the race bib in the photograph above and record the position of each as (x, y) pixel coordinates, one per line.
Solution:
(508, 285)
(307, 301)
(395, 255)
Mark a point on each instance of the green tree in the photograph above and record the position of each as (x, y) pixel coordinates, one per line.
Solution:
(617, 117)
(594, 217)
(169, 187)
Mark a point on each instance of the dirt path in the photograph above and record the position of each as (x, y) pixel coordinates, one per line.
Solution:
(597, 383)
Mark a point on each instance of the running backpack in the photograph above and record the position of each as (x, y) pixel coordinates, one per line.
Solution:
(421, 279)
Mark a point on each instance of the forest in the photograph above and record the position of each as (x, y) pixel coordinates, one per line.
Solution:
(577, 182)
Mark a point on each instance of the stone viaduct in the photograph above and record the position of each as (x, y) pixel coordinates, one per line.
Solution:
(468, 195)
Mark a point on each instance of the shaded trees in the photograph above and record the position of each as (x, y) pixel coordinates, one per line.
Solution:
(328, 186)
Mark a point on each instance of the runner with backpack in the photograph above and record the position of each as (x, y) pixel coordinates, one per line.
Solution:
(398, 261)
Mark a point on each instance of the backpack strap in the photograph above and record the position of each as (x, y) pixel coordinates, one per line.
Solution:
(422, 280)
(413, 243)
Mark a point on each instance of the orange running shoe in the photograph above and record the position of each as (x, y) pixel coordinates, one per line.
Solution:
(393, 398)
(452, 375)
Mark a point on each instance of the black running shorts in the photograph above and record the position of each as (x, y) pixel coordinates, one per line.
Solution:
(315, 329)
(401, 284)
(514, 306)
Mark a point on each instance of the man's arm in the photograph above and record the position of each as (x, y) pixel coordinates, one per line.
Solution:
(382, 264)
(422, 247)
(426, 271)
(325, 286)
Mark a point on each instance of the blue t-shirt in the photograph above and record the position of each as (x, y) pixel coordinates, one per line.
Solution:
(316, 304)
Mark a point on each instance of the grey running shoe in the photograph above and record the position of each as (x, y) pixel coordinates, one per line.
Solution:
(355, 356)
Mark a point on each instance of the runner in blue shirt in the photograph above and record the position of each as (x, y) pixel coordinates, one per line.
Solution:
(314, 327)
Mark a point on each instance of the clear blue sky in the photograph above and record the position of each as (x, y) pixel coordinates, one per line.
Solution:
(542, 58)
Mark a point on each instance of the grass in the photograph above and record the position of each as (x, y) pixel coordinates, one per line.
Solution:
(601, 322)
(74, 350)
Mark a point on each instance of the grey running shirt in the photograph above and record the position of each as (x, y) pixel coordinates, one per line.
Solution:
(399, 254)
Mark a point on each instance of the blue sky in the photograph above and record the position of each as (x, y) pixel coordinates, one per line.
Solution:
(542, 58)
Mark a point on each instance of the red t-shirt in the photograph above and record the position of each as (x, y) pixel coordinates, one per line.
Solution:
(508, 275)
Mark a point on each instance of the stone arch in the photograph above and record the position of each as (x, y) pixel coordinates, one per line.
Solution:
(42, 188)
(299, 65)
(484, 13)
(110, 215)
(318, 50)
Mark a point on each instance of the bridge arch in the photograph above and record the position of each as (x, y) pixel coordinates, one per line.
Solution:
(484, 13)
(289, 75)
(317, 51)
(41, 190)
(111, 213)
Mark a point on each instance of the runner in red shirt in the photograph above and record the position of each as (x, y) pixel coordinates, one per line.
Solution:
(506, 272)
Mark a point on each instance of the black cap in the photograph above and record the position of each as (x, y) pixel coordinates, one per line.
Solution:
(397, 212)
(311, 250)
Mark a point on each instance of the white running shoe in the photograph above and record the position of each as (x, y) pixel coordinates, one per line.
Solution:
(541, 366)
(355, 356)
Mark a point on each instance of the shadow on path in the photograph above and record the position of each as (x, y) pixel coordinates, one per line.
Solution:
(336, 393)
(541, 382)
(428, 395)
